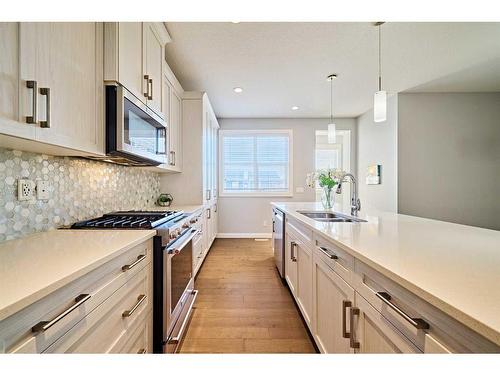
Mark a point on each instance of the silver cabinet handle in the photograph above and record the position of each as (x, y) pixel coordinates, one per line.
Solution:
(150, 96)
(45, 325)
(140, 258)
(209, 194)
(46, 91)
(172, 156)
(175, 158)
(415, 322)
(209, 213)
(292, 251)
(353, 343)
(128, 313)
(33, 119)
(176, 339)
(141, 351)
(345, 305)
(146, 94)
(215, 207)
(328, 252)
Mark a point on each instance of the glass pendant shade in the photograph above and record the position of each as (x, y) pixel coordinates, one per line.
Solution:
(331, 133)
(380, 106)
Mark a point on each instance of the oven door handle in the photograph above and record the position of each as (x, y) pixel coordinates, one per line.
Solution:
(177, 248)
(176, 339)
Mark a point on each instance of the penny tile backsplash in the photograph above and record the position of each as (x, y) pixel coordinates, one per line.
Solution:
(79, 189)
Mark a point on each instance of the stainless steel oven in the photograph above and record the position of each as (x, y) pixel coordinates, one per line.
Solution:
(135, 134)
(177, 291)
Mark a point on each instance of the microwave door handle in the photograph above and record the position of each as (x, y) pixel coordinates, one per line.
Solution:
(176, 249)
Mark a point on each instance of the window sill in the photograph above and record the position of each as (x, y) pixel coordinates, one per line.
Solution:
(255, 195)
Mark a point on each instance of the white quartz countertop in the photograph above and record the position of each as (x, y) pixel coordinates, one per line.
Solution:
(34, 266)
(454, 267)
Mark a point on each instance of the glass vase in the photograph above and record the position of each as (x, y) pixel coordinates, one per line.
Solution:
(327, 198)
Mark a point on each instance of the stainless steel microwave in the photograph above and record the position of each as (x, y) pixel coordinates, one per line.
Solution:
(135, 135)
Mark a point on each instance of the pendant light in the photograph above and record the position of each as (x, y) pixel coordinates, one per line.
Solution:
(331, 125)
(380, 97)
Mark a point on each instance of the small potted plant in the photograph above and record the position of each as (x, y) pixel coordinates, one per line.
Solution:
(164, 200)
(327, 179)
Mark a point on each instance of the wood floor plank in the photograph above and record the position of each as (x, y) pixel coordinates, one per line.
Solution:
(243, 306)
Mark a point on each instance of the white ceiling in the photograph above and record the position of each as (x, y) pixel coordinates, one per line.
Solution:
(284, 64)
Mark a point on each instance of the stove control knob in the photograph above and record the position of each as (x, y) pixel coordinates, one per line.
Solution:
(185, 225)
(193, 221)
(173, 236)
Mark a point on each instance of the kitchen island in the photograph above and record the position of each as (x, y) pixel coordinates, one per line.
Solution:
(453, 268)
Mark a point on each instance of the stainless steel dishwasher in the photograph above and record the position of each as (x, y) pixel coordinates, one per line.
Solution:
(279, 240)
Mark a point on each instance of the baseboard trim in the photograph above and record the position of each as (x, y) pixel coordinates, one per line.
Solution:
(244, 235)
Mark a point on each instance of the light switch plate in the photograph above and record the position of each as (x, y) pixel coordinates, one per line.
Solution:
(42, 190)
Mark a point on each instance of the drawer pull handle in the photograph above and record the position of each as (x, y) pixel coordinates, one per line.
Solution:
(128, 313)
(345, 305)
(328, 253)
(45, 325)
(140, 258)
(146, 94)
(353, 343)
(142, 351)
(415, 322)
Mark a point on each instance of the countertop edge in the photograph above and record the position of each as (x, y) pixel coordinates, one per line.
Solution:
(34, 297)
(469, 321)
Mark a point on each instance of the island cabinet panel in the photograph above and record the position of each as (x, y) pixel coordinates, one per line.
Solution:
(332, 298)
(86, 314)
(291, 264)
(304, 280)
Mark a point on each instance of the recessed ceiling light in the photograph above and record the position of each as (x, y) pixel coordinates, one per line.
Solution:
(238, 89)
(294, 108)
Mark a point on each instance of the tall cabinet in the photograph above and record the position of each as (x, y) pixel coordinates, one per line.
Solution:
(197, 184)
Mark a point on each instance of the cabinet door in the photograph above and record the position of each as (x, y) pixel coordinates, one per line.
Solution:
(130, 59)
(153, 58)
(16, 100)
(331, 298)
(66, 58)
(304, 280)
(291, 264)
(375, 334)
(215, 129)
(175, 124)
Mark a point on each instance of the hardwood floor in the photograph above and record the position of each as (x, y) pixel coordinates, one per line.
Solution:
(242, 305)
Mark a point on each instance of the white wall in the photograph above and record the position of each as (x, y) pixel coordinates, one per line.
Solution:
(377, 144)
(248, 214)
(449, 157)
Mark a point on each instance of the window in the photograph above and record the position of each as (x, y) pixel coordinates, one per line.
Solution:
(255, 163)
(335, 156)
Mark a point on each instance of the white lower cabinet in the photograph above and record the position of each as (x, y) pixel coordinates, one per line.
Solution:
(112, 312)
(332, 298)
(304, 280)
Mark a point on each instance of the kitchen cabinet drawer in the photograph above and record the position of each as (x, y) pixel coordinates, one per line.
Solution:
(374, 334)
(337, 259)
(418, 320)
(300, 232)
(138, 340)
(99, 331)
(16, 331)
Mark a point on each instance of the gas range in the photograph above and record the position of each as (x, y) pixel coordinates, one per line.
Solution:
(168, 224)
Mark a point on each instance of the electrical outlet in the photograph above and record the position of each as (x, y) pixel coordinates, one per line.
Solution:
(25, 190)
(42, 190)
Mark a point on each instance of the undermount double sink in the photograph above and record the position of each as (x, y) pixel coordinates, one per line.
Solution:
(331, 217)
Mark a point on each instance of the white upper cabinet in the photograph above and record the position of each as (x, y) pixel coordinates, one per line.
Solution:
(134, 55)
(51, 85)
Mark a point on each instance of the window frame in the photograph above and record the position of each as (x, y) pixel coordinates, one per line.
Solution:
(224, 193)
